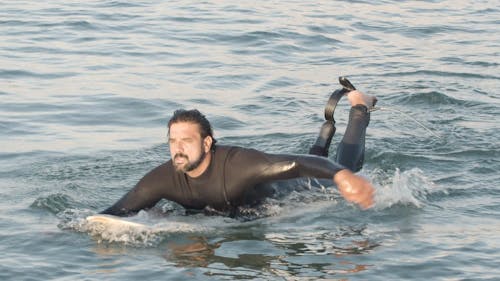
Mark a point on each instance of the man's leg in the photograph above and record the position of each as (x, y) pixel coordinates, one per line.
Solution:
(322, 144)
(350, 152)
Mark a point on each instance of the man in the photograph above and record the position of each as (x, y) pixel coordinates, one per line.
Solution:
(202, 174)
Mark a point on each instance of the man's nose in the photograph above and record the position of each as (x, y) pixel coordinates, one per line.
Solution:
(179, 147)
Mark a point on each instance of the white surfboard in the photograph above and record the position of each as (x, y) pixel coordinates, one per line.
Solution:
(135, 230)
(114, 222)
(122, 230)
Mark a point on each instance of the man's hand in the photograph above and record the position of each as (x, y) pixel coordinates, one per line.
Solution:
(354, 188)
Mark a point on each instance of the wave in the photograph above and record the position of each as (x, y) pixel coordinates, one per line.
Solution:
(430, 98)
(55, 203)
(12, 74)
(440, 74)
(120, 4)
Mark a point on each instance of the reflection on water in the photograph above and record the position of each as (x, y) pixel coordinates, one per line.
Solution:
(194, 252)
(287, 255)
(109, 263)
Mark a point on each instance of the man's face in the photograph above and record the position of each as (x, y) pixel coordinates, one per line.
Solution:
(187, 148)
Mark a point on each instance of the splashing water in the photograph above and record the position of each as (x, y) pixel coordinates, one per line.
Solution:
(409, 188)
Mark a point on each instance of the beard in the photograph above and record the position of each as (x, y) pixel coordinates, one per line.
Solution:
(189, 165)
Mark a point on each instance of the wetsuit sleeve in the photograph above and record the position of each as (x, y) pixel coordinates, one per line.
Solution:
(248, 170)
(263, 167)
(147, 192)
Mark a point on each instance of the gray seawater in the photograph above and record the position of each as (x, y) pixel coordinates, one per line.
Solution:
(87, 87)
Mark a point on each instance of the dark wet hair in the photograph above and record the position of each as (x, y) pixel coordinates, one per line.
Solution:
(194, 116)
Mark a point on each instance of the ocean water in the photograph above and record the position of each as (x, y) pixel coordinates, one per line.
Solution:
(87, 87)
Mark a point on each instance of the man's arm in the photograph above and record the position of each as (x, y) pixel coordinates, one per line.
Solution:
(147, 192)
(280, 166)
(352, 187)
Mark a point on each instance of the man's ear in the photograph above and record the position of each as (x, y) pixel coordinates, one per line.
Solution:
(207, 143)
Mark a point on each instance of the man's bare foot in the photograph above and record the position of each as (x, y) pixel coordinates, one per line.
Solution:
(358, 98)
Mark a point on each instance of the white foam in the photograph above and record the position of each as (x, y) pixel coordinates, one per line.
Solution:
(409, 188)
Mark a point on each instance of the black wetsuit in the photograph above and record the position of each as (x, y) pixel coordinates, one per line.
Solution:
(235, 174)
